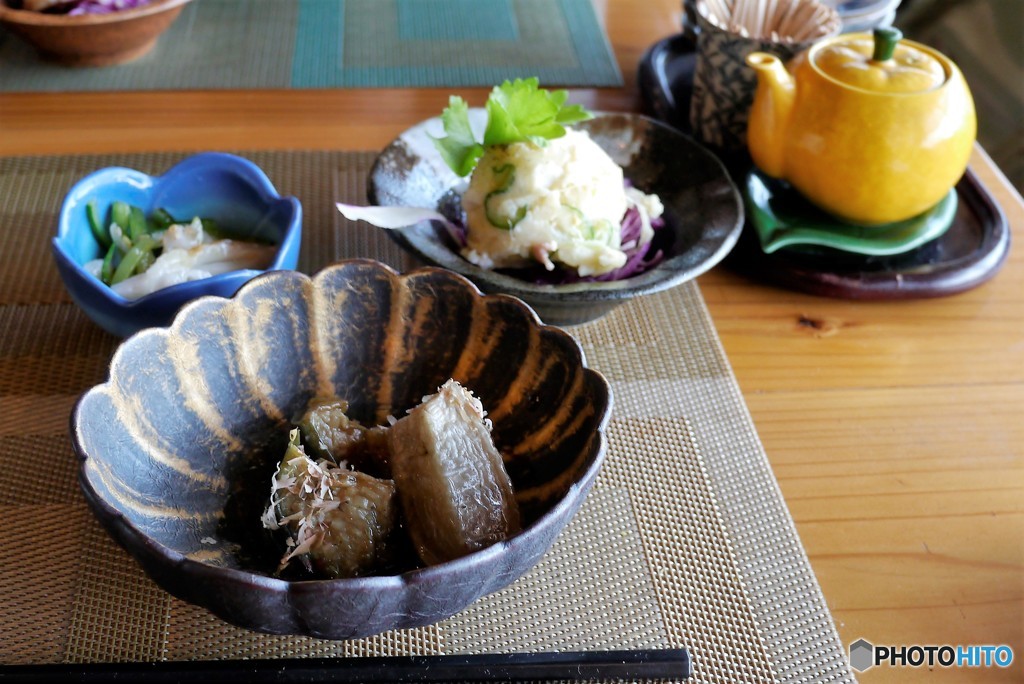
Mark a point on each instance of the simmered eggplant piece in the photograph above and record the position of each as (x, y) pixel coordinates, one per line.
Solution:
(339, 521)
(329, 433)
(451, 480)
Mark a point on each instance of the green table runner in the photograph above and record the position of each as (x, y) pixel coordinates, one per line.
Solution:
(224, 44)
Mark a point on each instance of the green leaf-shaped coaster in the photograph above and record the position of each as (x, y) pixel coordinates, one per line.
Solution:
(784, 219)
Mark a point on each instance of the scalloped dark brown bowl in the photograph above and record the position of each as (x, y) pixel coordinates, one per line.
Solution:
(178, 446)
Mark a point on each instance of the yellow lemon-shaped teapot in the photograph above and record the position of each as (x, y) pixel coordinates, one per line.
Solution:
(869, 127)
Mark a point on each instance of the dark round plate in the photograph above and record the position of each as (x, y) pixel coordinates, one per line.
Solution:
(666, 79)
(703, 212)
(965, 256)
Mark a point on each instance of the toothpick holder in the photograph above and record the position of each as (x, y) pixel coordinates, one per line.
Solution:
(723, 84)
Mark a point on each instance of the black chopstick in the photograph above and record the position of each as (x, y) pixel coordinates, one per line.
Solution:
(505, 667)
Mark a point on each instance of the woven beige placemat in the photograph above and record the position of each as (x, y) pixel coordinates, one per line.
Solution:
(684, 542)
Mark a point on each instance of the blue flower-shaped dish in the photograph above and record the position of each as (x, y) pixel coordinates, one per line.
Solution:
(228, 189)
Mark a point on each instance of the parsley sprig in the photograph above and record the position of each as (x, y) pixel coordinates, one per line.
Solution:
(517, 111)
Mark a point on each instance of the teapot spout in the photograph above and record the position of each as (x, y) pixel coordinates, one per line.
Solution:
(770, 113)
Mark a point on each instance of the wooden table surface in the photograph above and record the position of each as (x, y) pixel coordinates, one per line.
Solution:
(896, 430)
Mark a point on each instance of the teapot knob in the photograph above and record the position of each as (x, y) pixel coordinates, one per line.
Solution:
(886, 39)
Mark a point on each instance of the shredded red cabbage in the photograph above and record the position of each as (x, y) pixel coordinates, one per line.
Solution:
(79, 7)
(639, 258)
(106, 6)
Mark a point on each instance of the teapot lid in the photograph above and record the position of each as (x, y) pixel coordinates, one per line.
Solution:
(880, 62)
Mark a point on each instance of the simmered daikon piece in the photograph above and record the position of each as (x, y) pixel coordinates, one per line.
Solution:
(451, 480)
(339, 521)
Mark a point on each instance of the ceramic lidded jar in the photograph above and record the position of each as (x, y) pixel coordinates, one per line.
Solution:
(869, 127)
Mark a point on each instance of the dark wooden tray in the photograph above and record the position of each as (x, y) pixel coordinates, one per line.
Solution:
(967, 255)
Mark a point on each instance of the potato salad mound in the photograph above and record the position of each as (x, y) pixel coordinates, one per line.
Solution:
(543, 200)
(563, 201)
